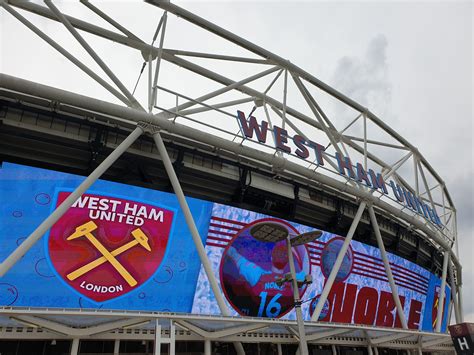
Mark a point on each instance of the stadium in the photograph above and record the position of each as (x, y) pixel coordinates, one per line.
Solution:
(235, 205)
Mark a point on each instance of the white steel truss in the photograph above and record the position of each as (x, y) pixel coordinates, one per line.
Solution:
(422, 180)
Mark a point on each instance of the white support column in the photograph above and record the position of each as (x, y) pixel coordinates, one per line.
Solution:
(376, 350)
(75, 346)
(157, 345)
(461, 315)
(388, 269)
(337, 264)
(117, 347)
(172, 348)
(334, 349)
(369, 350)
(369, 341)
(299, 316)
(61, 209)
(439, 316)
(193, 229)
(207, 347)
(279, 350)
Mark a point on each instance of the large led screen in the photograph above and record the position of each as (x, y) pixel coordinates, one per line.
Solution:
(125, 247)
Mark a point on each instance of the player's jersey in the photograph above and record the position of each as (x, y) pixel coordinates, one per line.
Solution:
(263, 297)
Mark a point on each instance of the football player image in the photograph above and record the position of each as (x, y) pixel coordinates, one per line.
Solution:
(249, 273)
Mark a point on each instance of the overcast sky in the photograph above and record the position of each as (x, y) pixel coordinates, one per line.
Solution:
(410, 62)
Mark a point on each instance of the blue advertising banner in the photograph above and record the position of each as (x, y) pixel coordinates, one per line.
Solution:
(143, 230)
(125, 247)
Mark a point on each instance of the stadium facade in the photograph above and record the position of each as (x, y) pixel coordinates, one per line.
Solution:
(132, 229)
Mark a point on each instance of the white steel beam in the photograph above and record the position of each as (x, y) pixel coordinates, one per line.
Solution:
(192, 228)
(296, 297)
(388, 269)
(109, 19)
(337, 264)
(223, 90)
(226, 332)
(158, 59)
(207, 347)
(427, 188)
(79, 332)
(157, 342)
(454, 293)
(375, 142)
(388, 338)
(216, 106)
(216, 56)
(439, 316)
(314, 337)
(117, 347)
(21, 250)
(172, 346)
(65, 53)
(75, 346)
(437, 341)
(92, 53)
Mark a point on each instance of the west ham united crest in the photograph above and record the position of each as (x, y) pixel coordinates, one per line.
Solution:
(105, 246)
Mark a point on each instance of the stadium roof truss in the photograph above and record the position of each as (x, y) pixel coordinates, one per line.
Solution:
(201, 120)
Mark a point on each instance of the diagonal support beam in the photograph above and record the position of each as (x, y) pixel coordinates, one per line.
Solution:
(439, 315)
(216, 56)
(21, 250)
(325, 334)
(388, 338)
(164, 20)
(92, 53)
(232, 86)
(109, 19)
(65, 53)
(454, 294)
(215, 106)
(237, 330)
(337, 264)
(193, 229)
(438, 341)
(79, 332)
(388, 269)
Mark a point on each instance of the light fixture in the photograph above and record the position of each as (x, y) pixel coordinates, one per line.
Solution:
(305, 238)
(53, 342)
(143, 342)
(269, 232)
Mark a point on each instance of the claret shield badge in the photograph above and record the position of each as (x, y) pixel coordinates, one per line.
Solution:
(104, 246)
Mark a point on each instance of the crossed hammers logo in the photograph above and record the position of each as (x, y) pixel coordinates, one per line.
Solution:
(85, 230)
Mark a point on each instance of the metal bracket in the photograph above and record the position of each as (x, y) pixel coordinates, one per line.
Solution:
(148, 127)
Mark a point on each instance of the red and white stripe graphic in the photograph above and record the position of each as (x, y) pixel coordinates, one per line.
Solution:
(222, 230)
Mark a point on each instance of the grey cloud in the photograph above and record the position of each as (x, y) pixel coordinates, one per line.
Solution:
(366, 79)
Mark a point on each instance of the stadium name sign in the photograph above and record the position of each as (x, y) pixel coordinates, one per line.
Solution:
(303, 147)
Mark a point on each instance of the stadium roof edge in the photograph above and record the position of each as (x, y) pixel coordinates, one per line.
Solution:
(119, 114)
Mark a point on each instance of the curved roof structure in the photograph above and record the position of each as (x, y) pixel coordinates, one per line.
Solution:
(241, 103)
